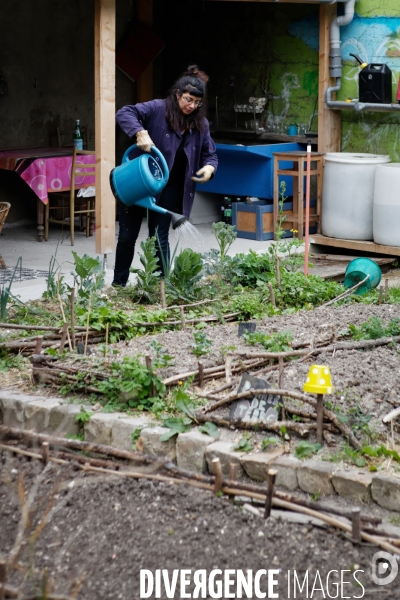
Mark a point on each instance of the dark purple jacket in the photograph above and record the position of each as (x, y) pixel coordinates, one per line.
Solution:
(199, 147)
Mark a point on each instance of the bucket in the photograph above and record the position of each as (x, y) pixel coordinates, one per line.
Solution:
(348, 194)
(139, 178)
(357, 270)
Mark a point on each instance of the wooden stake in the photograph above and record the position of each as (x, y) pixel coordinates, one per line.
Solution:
(72, 311)
(271, 294)
(45, 452)
(63, 338)
(64, 320)
(386, 290)
(356, 525)
(201, 373)
(106, 344)
(270, 492)
(228, 368)
(320, 419)
(278, 272)
(380, 294)
(3, 575)
(162, 292)
(182, 311)
(87, 326)
(218, 475)
(39, 344)
(233, 469)
(149, 368)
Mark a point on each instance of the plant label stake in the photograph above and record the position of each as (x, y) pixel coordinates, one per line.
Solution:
(319, 382)
(308, 183)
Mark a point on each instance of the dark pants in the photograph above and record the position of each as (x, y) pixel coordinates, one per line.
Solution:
(130, 221)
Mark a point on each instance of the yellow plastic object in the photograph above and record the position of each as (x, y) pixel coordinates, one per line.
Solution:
(319, 380)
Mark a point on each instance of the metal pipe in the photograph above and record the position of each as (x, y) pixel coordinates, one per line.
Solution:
(361, 106)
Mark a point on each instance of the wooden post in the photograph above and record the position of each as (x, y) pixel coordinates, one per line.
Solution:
(144, 89)
(356, 525)
(201, 373)
(270, 493)
(320, 419)
(218, 475)
(329, 120)
(104, 36)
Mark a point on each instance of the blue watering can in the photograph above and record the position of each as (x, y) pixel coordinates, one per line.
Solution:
(137, 181)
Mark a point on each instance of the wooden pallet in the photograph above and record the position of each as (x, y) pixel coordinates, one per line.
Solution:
(360, 246)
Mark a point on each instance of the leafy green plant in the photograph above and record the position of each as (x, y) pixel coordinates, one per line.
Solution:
(88, 275)
(135, 437)
(175, 425)
(148, 279)
(55, 283)
(225, 235)
(182, 283)
(249, 270)
(249, 304)
(374, 329)
(161, 358)
(8, 360)
(275, 342)
(201, 344)
(300, 291)
(81, 418)
(269, 441)
(210, 429)
(306, 449)
(243, 444)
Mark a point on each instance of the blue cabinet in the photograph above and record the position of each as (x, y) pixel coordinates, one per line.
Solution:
(249, 170)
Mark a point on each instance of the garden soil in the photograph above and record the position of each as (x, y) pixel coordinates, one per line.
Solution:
(104, 530)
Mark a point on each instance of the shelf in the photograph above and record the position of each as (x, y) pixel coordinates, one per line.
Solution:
(362, 245)
(261, 138)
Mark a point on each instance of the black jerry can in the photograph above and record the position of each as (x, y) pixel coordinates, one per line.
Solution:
(375, 84)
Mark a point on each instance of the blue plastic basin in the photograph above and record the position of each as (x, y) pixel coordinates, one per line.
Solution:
(357, 270)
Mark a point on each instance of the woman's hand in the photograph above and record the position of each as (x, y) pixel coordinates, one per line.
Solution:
(144, 141)
(204, 174)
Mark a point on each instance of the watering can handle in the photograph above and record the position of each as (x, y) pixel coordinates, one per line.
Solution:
(156, 151)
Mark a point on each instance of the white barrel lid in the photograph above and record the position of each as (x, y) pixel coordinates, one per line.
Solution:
(357, 158)
(395, 165)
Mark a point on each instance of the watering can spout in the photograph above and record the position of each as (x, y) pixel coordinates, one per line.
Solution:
(177, 220)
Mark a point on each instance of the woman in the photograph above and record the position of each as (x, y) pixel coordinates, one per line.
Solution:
(177, 126)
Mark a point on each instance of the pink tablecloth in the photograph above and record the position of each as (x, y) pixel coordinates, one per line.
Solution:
(47, 173)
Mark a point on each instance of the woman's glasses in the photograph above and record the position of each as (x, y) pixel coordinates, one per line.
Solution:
(197, 103)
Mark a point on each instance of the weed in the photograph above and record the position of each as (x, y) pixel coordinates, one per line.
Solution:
(395, 520)
(201, 344)
(148, 278)
(135, 437)
(5, 292)
(81, 418)
(225, 349)
(161, 358)
(316, 496)
(269, 441)
(249, 270)
(9, 360)
(275, 342)
(210, 429)
(306, 449)
(54, 281)
(300, 291)
(175, 425)
(249, 304)
(243, 444)
(374, 329)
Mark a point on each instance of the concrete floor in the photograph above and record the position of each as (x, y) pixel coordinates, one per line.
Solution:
(21, 241)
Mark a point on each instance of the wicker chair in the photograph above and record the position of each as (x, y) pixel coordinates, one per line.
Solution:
(4, 209)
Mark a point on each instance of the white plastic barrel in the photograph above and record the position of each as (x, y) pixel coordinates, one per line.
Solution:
(348, 194)
(386, 212)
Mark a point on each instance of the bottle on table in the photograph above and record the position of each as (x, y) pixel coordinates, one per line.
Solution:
(228, 210)
(77, 138)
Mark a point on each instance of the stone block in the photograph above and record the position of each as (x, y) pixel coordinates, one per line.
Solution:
(258, 465)
(62, 420)
(191, 450)
(150, 440)
(122, 429)
(385, 491)
(99, 427)
(353, 484)
(37, 414)
(315, 476)
(224, 451)
(12, 408)
(286, 476)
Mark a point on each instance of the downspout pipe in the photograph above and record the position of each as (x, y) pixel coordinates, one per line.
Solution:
(335, 65)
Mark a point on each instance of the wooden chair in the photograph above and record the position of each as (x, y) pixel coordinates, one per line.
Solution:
(68, 204)
(4, 209)
(64, 138)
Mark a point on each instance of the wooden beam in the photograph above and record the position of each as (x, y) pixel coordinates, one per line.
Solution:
(359, 245)
(144, 89)
(329, 121)
(104, 36)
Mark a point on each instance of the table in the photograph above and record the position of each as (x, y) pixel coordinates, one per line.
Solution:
(45, 170)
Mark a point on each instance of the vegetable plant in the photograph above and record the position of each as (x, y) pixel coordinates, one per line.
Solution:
(183, 281)
(201, 344)
(148, 280)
